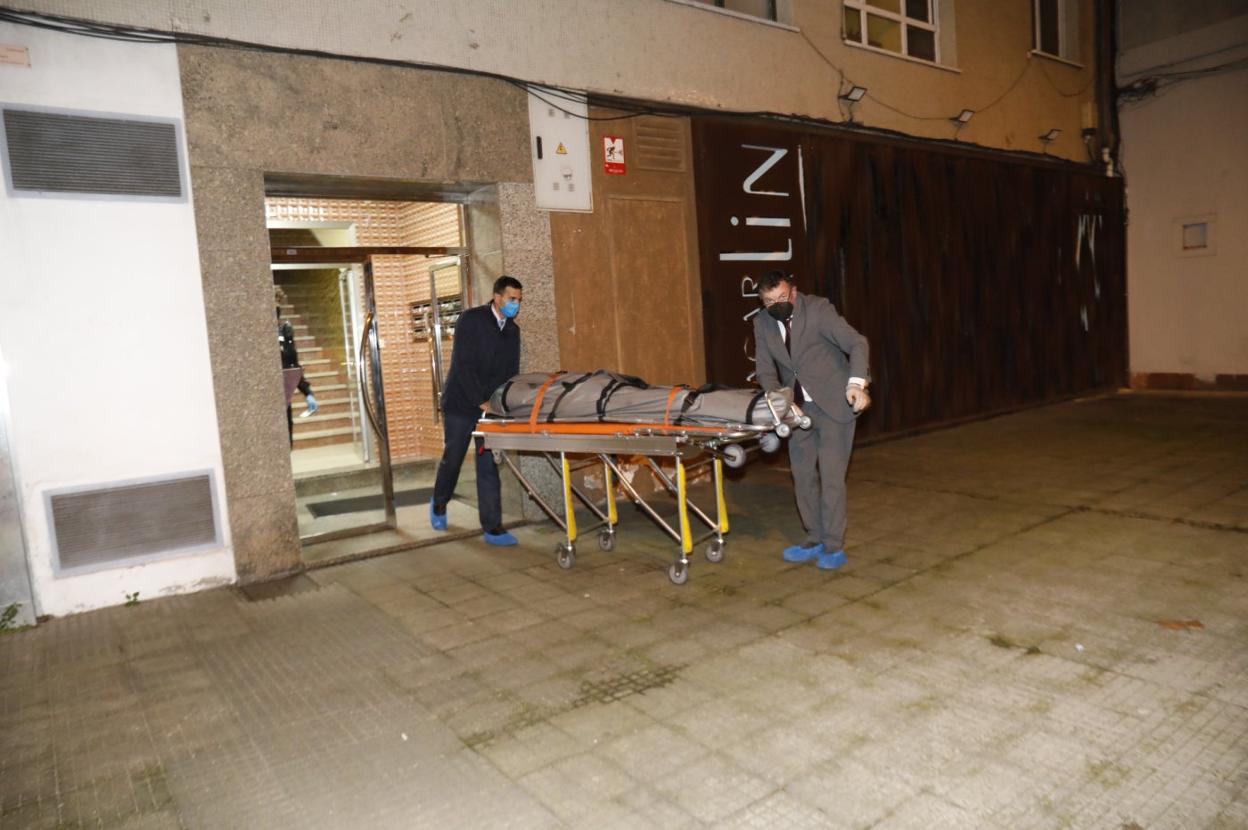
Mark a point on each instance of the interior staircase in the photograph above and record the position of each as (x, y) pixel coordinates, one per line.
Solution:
(330, 383)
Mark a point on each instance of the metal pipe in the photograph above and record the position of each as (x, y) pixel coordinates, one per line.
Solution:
(640, 502)
(533, 494)
(585, 499)
(674, 490)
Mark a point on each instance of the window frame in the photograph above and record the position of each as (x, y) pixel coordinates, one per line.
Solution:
(772, 8)
(903, 20)
(782, 9)
(1067, 33)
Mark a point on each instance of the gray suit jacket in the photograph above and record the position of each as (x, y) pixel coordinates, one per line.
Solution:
(827, 352)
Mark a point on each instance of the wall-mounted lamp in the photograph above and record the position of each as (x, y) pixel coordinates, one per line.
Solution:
(1049, 137)
(961, 120)
(855, 94)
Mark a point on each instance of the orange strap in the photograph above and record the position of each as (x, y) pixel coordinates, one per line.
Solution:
(537, 402)
(667, 412)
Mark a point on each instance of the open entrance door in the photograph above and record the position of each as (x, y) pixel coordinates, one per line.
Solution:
(373, 327)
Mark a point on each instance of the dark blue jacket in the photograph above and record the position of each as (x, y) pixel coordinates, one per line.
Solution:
(483, 359)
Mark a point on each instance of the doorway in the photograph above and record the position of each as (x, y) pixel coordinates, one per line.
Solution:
(368, 293)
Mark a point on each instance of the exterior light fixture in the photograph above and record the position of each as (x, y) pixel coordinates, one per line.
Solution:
(854, 95)
(1051, 136)
(961, 120)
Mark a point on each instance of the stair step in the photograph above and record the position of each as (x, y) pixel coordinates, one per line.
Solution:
(320, 423)
(311, 376)
(323, 433)
(324, 402)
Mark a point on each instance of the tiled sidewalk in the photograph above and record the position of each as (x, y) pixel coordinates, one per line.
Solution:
(1044, 623)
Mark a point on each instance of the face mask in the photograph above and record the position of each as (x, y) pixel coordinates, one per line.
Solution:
(511, 308)
(780, 311)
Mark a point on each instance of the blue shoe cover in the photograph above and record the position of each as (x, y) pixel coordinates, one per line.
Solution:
(800, 553)
(438, 522)
(832, 561)
(503, 540)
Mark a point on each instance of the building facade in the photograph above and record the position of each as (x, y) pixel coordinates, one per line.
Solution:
(938, 164)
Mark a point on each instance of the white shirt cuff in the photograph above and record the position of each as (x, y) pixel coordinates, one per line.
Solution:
(858, 382)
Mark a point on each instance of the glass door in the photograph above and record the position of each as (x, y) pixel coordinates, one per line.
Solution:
(359, 498)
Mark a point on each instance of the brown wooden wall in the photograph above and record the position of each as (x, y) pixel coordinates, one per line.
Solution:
(628, 272)
(982, 283)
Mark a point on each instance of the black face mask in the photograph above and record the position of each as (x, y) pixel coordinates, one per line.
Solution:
(780, 311)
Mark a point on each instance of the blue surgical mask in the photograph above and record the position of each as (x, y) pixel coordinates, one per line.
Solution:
(511, 308)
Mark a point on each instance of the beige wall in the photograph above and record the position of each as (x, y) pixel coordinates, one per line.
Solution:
(1185, 153)
(664, 50)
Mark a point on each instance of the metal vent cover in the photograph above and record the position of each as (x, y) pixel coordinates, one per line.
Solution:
(109, 525)
(660, 144)
(60, 152)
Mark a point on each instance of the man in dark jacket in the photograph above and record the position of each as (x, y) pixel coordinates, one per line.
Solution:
(486, 355)
(801, 342)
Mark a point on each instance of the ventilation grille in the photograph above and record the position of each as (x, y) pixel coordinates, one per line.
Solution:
(95, 528)
(58, 153)
(660, 144)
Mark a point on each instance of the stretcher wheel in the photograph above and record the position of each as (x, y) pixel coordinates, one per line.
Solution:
(769, 443)
(805, 422)
(734, 456)
(715, 551)
(678, 573)
(606, 540)
(565, 555)
(783, 430)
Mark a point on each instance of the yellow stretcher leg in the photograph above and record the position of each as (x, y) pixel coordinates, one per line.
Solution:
(721, 505)
(613, 514)
(682, 497)
(569, 508)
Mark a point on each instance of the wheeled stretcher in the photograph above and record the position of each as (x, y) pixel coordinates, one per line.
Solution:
(606, 442)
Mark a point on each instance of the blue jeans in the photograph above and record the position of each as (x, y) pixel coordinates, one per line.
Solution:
(458, 432)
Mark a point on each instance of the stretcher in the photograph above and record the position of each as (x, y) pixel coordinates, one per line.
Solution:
(571, 447)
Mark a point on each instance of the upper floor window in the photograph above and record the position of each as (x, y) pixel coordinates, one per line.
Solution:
(907, 27)
(766, 9)
(1056, 28)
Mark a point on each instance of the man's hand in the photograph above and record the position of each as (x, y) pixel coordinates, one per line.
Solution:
(485, 407)
(858, 398)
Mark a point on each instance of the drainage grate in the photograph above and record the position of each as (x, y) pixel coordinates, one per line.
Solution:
(108, 525)
(54, 152)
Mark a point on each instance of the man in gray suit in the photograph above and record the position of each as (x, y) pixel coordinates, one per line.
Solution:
(801, 342)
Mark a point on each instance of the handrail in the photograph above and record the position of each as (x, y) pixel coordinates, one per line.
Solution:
(365, 399)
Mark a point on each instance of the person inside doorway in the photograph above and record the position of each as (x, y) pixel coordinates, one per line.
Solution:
(801, 342)
(290, 360)
(486, 354)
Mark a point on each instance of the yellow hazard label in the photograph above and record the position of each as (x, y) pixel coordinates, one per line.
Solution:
(563, 151)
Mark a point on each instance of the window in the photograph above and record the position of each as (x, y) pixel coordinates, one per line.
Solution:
(1056, 28)
(766, 9)
(1197, 235)
(907, 27)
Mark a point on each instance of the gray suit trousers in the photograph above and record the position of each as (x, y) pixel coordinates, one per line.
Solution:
(819, 458)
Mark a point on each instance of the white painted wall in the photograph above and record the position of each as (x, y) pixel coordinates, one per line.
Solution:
(102, 325)
(1185, 153)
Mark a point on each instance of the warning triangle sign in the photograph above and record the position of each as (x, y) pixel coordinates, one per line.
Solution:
(563, 151)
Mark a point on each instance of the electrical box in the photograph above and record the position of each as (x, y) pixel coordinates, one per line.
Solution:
(559, 147)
